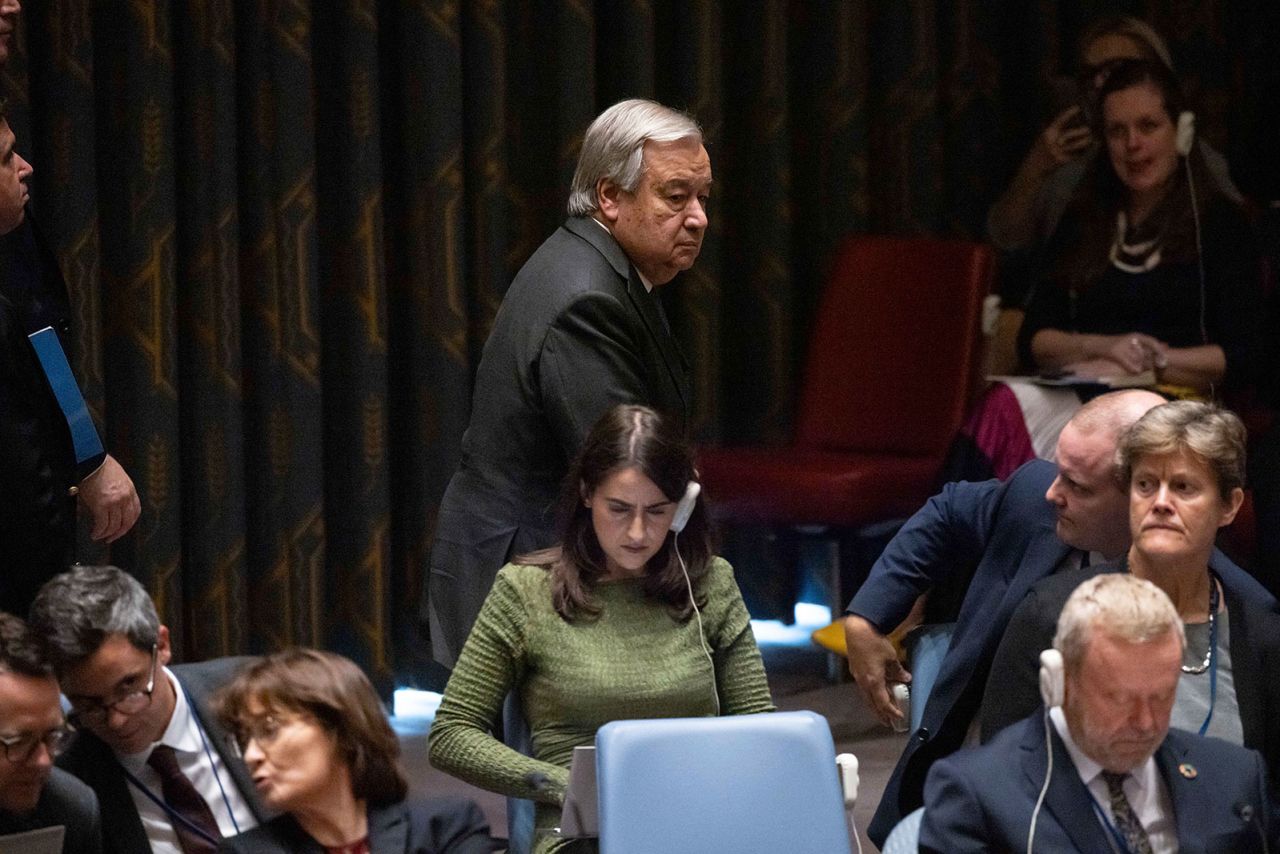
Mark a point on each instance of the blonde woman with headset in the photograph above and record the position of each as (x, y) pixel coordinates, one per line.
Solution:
(631, 616)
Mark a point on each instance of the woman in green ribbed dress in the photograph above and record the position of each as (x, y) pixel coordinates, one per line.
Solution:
(602, 627)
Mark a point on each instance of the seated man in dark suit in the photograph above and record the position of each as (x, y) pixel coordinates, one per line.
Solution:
(1099, 769)
(34, 794)
(992, 541)
(148, 743)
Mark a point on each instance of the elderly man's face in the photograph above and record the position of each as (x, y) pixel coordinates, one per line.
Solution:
(9, 10)
(1117, 701)
(14, 172)
(661, 225)
(29, 711)
(1092, 509)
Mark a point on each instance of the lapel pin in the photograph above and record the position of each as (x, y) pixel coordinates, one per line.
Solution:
(1186, 769)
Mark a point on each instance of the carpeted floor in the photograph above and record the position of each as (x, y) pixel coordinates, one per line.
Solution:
(798, 678)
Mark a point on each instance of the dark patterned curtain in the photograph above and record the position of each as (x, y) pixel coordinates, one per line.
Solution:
(286, 227)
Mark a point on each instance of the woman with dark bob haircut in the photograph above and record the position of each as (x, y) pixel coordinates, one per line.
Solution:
(320, 750)
(629, 617)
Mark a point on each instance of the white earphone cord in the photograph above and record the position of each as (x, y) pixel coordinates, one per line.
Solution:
(1048, 775)
(702, 635)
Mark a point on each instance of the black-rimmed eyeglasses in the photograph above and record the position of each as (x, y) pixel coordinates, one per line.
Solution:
(127, 703)
(19, 749)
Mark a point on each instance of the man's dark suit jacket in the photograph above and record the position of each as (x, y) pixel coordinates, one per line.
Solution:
(1013, 689)
(414, 826)
(1002, 534)
(95, 763)
(37, 460)
(982, 799)
(68, 802)
(995, 539)
(577, 333)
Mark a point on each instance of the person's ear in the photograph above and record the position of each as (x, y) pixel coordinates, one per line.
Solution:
(585, 493)
(1232, 507)
(608, 197)
(163, 651)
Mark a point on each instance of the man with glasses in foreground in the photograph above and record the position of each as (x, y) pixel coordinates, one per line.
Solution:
(34, 794)
(147, 742)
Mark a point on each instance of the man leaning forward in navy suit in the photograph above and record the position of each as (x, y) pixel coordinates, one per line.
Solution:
(1099, 769)
(994, 540)
(148, 744)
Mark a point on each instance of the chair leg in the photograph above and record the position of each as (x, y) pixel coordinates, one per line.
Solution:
(837, 665)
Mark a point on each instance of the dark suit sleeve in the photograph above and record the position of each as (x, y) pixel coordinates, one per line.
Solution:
(954, 820)
(946, 536)
(591, 360)
(1013, 688)
(91, 840)
(448, 826)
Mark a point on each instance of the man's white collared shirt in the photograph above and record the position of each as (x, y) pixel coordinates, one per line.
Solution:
(1147, 793)
(188, 740)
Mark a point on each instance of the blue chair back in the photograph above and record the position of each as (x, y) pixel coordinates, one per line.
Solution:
(743, 784)
(905, 836)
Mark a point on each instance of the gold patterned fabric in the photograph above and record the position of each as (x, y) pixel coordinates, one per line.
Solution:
(287, 225)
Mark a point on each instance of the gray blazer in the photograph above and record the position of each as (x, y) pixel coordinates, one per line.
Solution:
(577, 333)
(95, 763)
(68, 802)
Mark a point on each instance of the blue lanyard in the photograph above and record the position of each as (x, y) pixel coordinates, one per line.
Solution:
(1116, 836)
(1213, 650)
(170, 811)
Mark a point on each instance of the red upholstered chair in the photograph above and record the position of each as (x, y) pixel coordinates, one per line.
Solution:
(895, 348)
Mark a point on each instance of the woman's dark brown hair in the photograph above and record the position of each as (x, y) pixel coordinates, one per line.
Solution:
(336, 693)
(627, 436)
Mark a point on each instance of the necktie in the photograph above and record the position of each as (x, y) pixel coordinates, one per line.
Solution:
(184, 800)
(1126, 822)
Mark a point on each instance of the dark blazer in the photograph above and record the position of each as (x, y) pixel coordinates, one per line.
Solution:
(995, 538)
(94, 762)
(1013, 690)
(577, 333)
(982, 799)
(414, 826)
(37, 460)
(68, 802)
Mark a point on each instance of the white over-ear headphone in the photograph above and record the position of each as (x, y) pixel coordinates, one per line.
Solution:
(1186, 133)
(685, 508)
(1051, 678)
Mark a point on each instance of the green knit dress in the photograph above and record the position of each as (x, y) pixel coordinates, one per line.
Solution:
(634, 661)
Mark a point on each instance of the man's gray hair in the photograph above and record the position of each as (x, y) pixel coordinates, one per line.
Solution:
(1119, 605)
(75, 612)
(614, 147)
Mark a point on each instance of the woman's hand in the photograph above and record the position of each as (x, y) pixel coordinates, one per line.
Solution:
(1065, 139)
(1136, 352)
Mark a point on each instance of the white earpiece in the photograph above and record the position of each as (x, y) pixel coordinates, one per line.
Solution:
(1051, 678)
(685, 508)
(1186, 134)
